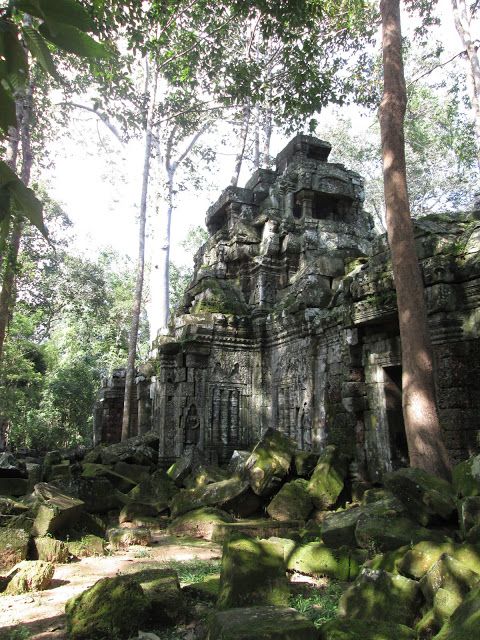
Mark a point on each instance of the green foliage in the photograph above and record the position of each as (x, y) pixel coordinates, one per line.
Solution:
(69, 329)
(318, 603)
(19, 633)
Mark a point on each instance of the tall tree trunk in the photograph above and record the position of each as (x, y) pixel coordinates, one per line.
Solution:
(164, 258)
(424, 437)
(463, 19)
(267, 132)
(256, 142)
(137, 302)
(23, 136)
(243, 141)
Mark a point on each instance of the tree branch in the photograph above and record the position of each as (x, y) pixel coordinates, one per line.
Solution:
(437, 66)
(102, 116)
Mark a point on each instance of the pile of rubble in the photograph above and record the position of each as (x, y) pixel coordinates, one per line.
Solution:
(411, 548)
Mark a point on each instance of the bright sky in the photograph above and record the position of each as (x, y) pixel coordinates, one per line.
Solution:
(101, 191)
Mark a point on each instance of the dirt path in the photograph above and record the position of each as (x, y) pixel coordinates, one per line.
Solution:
(42, 613)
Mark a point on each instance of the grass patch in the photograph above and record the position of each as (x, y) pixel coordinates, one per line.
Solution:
(191, 571)
(20, 633)
(319, 604)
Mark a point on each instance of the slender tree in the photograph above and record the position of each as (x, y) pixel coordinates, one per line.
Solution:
(137, 301)
(463, 15)
(424, 437)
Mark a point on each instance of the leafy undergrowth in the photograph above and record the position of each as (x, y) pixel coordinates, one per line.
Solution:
(318, 603)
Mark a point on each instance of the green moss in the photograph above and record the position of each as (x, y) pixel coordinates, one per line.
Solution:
(376, 594)
(261, 623)
(218, 296)
(51, 550)
(365, 630)
(87, 547)
(328, 478)
(316, 559)
(253, 572)
(464, 624)
(292, 502)
(200, 523)
(111, 608)
(13, 547)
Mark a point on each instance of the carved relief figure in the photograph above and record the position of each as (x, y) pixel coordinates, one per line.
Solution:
(192, 426)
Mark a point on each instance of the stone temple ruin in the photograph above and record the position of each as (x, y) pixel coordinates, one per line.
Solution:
(290, 322)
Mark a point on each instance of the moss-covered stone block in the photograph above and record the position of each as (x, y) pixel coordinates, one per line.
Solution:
(13, 547)
(253, 572)
(134, 510)
(464, 624)
(316, 559)
(418, 560)
(111, 608)
(269, 462)
(466, 477)
(30, 575)
(258, 528)
(165, 601)
(365, 630)
(218, 296)
(469, 512)
(444, 604)
(56, 510)
(261, 623)
(328, 478)
(15, 487)
(377, 594)
(448, 574)
(206, 590)
(87, 546)
(121, 483)
(200, 523)
(426, 497)
(427, 626)
(292, 502)
(232, 495)
(386, 533)
(124, 538)
(304, 462)
(203, 475)
(51, 550)
(134, 472)
(157, 490)
(389, 561)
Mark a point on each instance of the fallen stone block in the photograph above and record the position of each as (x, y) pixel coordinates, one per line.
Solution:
(419, 559)
(426, 498)
(10, 467)
(124, 538)
(15, 487)
(377, 594)
(111, 608)
(56, 511)
(292, 502)
(29, 575)
(448, 574)
(87, 546)
(200, 523)
(316, 559)
(13, 547)
(157, 490)
(51, 550)
(464, 624)
(232, 495)
(365, 630)
(386, 533)
(253, 572)
(261, 623)
(269, 462)
(261, 528)
(328, 478)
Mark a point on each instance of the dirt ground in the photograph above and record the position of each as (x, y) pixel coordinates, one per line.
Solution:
(42, 613)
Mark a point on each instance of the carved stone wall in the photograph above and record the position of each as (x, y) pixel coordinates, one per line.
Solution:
(290, 322)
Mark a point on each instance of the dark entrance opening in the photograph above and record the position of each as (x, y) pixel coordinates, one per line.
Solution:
(396, 426)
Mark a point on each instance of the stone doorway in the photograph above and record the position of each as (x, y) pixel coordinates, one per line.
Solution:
(396, 427)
